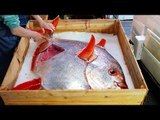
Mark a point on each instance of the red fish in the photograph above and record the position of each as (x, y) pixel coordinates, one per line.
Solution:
(34, 84)
(74, 65)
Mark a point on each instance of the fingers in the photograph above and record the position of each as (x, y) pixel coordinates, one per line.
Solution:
(39, 38)
(50, 27)
(47, 25)
(43, 30)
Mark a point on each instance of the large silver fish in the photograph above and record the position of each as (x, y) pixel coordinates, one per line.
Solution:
(75, 65)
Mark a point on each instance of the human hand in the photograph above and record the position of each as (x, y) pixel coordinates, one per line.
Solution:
(37, 37)
(46, 25)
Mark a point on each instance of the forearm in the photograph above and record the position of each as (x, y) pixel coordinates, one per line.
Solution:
(38, 18)
(22, 32)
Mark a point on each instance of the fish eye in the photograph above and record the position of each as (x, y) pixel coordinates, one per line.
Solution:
(112, 71)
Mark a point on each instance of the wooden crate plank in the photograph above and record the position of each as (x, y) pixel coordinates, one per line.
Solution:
(130, 60)
(75, 97)
(15, 65)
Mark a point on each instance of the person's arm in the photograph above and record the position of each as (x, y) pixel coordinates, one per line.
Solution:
(12, 21)
(22, 32)
(44, 24)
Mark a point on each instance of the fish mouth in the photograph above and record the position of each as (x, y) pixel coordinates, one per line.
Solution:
(119, 78)
(122, 85)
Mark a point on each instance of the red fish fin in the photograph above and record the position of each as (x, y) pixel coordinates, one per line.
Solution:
(102, 43)
(36, 54)
(34, 84)
(55, 21)
(88, 51)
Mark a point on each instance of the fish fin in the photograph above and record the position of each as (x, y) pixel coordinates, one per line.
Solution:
(55, 21)
(88, 51)
(36, 52)
(34, 84)
(102, 42)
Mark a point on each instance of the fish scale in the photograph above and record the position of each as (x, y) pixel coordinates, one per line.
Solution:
(65, 75)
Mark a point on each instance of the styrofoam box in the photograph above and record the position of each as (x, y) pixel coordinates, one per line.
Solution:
(138, 43)
(152, 43)
(151, 63)
(138, 27)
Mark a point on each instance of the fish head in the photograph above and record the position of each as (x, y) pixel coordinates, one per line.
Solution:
(117, 76)
(103, 71)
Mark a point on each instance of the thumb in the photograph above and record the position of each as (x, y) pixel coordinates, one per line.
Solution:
(43, 31)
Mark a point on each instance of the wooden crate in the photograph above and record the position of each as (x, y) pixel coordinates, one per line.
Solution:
(77, 97)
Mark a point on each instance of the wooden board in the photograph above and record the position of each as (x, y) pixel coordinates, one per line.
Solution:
(59, 97)
(90, 97)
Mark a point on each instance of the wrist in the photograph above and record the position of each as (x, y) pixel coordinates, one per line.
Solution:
(31, 34)
(38, 18)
